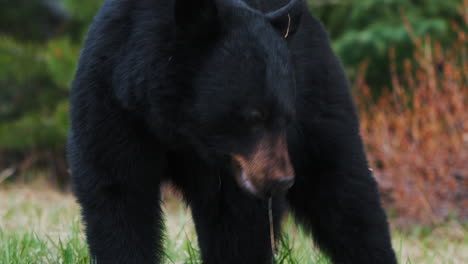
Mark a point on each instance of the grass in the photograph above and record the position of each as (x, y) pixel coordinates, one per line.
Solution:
(38, 225)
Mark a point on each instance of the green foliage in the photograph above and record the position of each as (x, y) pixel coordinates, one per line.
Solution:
(366, 30)
(37, 66)
(60, 60)
(47, 17)
(36, 130)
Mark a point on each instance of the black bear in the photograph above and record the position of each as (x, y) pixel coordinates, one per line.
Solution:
(234, 103)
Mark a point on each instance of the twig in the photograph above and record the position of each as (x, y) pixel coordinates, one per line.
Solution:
(272, 228)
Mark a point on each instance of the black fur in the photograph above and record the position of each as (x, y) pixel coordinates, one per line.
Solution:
(164, 94)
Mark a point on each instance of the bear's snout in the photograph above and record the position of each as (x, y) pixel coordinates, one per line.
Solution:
(267, 170)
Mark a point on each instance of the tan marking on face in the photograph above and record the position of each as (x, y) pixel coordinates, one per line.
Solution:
(269, 161)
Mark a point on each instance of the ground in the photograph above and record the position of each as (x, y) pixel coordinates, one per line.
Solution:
(38, 225)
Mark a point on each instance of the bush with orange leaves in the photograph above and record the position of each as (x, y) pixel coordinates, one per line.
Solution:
(417, 134)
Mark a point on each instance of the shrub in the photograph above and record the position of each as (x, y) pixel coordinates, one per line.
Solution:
(417, 134)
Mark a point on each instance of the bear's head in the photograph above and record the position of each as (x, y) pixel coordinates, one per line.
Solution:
(244, 87)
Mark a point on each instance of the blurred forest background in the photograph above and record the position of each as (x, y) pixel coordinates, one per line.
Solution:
(407, 61)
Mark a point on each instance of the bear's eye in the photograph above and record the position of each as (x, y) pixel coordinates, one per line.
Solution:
(255, 116)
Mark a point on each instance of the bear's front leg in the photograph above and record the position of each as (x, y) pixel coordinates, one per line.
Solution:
(336, 197)
(118, 191)
(121, 228)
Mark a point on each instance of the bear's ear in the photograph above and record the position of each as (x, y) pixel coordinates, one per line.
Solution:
(196, 18)
(286, 20)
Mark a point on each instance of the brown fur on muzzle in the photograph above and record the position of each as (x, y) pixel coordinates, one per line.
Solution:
(268, 163)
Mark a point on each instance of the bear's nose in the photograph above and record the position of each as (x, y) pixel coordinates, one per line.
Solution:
(279, 185)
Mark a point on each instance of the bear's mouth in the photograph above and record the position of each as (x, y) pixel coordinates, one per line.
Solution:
(245, 182)
(242, 178)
